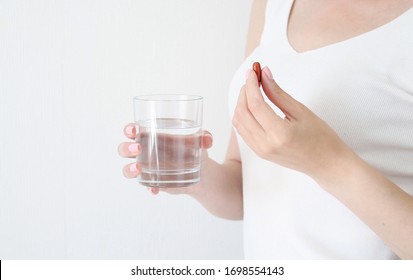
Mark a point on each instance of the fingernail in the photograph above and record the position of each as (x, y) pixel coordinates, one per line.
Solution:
(133, 168)
(247, 73)
(130, 130)
(268, 73)
(134, 148)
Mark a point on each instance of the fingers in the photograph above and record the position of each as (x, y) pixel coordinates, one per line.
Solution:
(131, 170)
(260, 110)
(130, 131)
(206, 140)
(153, 191)
(288, 105)
(129, 149)
(244, 122)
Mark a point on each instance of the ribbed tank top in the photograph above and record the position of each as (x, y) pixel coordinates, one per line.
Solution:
(363, 88)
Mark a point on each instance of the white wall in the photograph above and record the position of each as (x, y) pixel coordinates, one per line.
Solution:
(68, 72)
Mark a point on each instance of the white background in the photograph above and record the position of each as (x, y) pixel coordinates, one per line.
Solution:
(68, 73)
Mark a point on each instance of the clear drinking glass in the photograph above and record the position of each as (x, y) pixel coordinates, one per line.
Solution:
(169, 133)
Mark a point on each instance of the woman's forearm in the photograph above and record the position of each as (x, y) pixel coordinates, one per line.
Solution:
(378, 202)
(220, 191)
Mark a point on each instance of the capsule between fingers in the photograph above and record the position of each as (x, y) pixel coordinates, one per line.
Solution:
(257, 69)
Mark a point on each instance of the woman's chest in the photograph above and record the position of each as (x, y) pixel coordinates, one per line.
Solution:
(315, 24)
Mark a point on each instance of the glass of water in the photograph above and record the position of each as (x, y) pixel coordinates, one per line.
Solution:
(169, 133)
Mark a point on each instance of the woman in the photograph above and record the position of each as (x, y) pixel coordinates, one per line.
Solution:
(320, 165)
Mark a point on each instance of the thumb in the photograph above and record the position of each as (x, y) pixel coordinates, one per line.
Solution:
(207, 140)
(291, 108)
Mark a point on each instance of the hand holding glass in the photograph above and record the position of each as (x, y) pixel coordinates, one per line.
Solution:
(169, 133)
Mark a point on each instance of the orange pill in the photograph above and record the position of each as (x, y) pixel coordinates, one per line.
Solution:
(257, 69)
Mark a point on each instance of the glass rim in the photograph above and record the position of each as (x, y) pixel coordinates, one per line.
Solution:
(167, 97)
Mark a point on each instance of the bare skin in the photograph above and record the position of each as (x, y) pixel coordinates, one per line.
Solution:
(319, 23)
(284, 141)
(220, 189)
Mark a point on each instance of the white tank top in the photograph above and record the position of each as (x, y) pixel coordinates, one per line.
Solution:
(363, 88)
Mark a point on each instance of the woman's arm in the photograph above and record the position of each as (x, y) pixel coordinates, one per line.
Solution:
(303, 142)
(225, 199)
(377, 201)
(220, 189)
(223, 196)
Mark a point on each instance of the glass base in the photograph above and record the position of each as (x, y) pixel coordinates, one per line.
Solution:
(169, 179)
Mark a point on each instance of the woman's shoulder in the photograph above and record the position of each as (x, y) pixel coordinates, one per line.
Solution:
(256, 25)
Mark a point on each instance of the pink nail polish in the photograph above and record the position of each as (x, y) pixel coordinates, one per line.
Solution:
(133, 168)
(134, 148)
(267, 73)
(130, 130)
